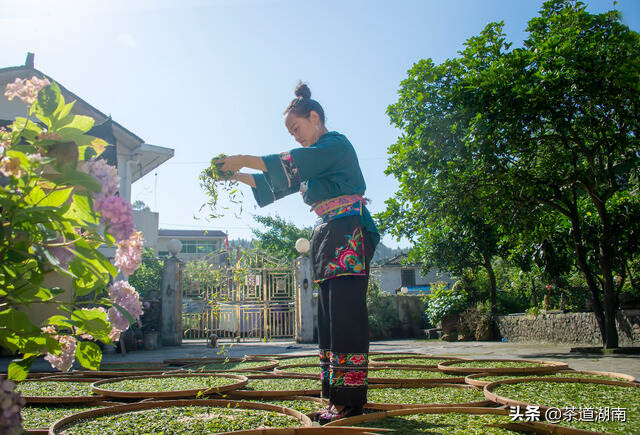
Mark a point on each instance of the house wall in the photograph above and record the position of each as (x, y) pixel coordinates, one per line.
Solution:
(390, 277)
(147, 222)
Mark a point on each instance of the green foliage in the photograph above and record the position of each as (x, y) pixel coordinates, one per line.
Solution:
(383, 316)
(444, 301)
(530, 151)
(148, 277)
(280, 236)
(47, 214)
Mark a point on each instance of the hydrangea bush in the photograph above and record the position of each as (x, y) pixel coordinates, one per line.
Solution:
(58, 204)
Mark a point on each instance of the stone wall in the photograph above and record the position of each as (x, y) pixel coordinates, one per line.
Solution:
(569, 328)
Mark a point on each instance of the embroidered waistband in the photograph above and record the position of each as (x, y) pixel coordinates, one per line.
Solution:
(323, 208)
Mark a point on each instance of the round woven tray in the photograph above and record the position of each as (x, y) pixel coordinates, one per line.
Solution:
(283, 370)
(546, 367)
(388, 406)
(416, 382)
(476, 378)
(272, 393)
(341, 430)
(383, 361)
(45, 430)
(269, 364)
(64, 422)
(97, 386)
(64, 399)
(104, 374)
(490, 395)
(538, 428)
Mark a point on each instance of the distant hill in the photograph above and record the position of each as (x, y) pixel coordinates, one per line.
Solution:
(384, 252)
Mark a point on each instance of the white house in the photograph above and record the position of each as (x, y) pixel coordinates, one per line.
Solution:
(196, 244)
(393, 275)
(128, 152)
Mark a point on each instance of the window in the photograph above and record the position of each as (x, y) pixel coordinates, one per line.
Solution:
(199, 246)
(408, 277)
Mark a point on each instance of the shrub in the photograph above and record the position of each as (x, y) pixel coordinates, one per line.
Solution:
(443, 301)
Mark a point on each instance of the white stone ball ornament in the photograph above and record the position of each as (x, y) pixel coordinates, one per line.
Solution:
(303, 245)
(175, 246)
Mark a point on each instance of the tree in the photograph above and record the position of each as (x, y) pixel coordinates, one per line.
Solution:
(148, 277)
(139, 205)
(547, 129)
(280, 236)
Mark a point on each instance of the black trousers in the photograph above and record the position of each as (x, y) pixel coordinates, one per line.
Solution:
(343, 336)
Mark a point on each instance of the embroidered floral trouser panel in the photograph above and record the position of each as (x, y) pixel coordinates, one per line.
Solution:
(343, 335)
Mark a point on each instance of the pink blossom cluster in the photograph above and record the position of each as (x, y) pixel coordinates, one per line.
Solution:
(129, 253)
(26, 89)
(117, 214)
(11, 166)
(11, 402)
(123, 294)
(106, 174)
(64, 361)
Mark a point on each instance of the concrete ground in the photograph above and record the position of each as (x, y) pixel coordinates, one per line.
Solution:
(628, 364)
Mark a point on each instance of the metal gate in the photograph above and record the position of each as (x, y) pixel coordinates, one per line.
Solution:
(252, 296)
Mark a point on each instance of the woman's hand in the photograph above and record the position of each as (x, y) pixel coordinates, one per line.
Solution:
(237, 162)
(244, 178)
(232, 163)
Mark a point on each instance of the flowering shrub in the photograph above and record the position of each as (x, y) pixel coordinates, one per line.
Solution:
(58, 204)
(443, 301)
(10, 404)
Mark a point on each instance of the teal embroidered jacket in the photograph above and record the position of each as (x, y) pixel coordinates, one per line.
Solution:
(324, 170)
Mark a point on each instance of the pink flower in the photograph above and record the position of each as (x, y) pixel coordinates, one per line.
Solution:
(117, 213)
(64, 361)
(106, 174)
(123, 294)
(129, 253)
(11, 166)
(355, 378)
(357, 360)
(26, 89)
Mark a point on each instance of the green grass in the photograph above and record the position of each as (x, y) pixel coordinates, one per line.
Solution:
(445, 424)
(570, 394)
(425, 396)
(495, 364)
(188, 419)
(54, 388)
(407, 374)
(34, 417)
(282, 384)
(169, 383)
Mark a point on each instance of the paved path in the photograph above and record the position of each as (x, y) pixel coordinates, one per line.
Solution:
(629, 364)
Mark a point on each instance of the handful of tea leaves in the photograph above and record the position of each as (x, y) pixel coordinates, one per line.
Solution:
(214, 180)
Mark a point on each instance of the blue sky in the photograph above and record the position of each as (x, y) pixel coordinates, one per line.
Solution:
(211, 77)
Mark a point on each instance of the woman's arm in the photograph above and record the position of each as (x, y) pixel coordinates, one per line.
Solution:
(237, 162)
(244, 178)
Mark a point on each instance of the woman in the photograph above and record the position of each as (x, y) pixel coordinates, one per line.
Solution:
(326, 171)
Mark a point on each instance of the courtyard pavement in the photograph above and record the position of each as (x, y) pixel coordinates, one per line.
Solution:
(629, 364)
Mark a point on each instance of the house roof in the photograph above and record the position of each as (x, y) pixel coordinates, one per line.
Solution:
(397, 261)
(149, 156)
(192, 233)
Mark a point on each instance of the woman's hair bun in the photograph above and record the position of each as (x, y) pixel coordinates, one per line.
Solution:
(302, 91)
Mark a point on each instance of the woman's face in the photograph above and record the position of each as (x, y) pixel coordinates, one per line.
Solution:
(306, 131)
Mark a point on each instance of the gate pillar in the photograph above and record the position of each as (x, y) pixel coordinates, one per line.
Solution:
(171, 325)
(304, 300)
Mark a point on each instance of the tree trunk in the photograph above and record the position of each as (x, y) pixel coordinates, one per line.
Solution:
(610, 294)
(533, 292)
(581, 254)
(492, 279)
